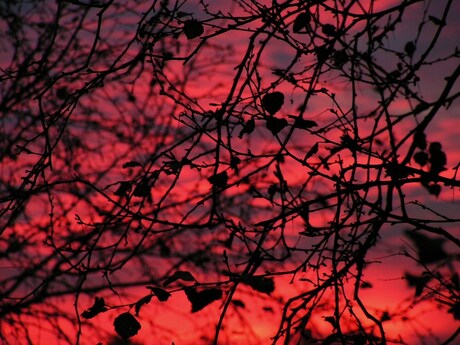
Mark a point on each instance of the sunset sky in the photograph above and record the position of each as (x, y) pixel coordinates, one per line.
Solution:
(138, 140)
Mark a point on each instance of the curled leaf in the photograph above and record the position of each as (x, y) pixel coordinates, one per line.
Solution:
(418, 282)
(219, 180)
(322, 53)
(434, 189)
(139, 304)
(340, 58)
(238, 303)
(329, 30)
(409, 48)
(304, 124)
(275, 125)
(455, 311)
(131, 164)
(272, 102)
(331, 320)
(126, 325)
(248, 128)
(193, 29)
(162, 295)
(301, 22)
(179, 275)
(421, 158)
(142, 188)
(261, 284)
(201, 299)
(123, 189)
(438, 158)
(96, 308)
(313, 150)
(420, 140)
(429, 250)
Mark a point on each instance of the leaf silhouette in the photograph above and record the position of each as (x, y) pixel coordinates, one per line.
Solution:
(421, 158)
(322, 53)
(219, 180)
(301, 22)
(97, 308)
(437, 21)
(455, 311)
(313, 150)
(248, 128)
(142, 188)
(131, 164)
(419, 282)
(331, 320)
(275, 125)
(238, 303)
(179, 275)
(329, 30)
(140, 303)
(366, 285)
(434, 189)
(200, 300)
(420, 140)
(429, 249)
(340, 58)
(272, 102)
(438, 158)
(385, 317)
(409, 48)
(261, 284)
(193, 29)
(161, 294)
(123, 189)
(302, 123)
(126, 325)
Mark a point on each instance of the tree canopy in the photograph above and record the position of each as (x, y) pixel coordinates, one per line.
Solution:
(255, 169)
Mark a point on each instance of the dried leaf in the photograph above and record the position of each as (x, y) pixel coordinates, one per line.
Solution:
(261, 284)
(438, 158)
(437, 21)
(434, 189)
(142, 188)
(179, 275)
(248, 128)
(430, 250)
(123, 189)
(329, 30)
(239, 304)
(97, 308)
(419, 282)
(409, 48)
(219, 180)
(193, 29)
(313, 150)
(331, 320)
(275, 125)
(126, 325)
(131, 164)
(421, 158)
(304, 124)
(272, 102)
(161, 294)
(455, 311)
(301, 22)
(203, 298)
(144, 300)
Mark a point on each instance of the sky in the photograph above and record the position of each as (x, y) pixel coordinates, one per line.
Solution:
(110, 139)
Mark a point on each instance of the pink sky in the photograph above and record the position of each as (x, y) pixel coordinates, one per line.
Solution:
(130, 119)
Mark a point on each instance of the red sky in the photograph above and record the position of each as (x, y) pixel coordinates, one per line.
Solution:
(113, 129)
